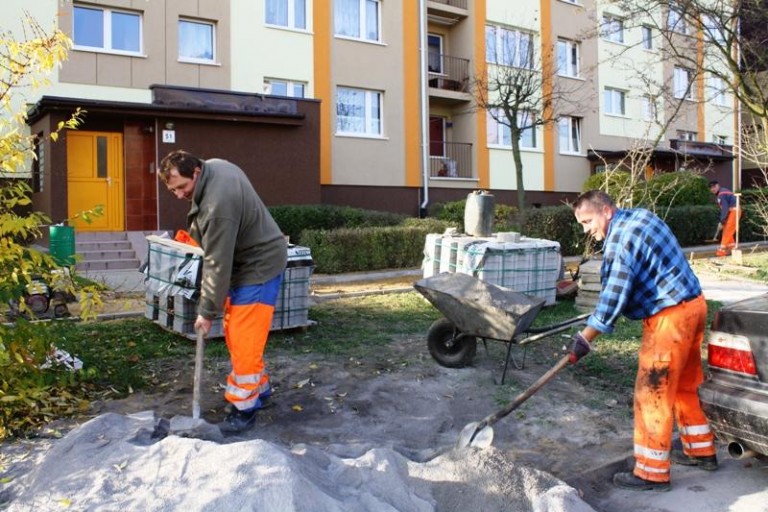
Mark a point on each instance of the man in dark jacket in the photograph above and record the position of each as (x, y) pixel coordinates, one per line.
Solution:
(729, 217)
(645, 276)
(245, 255)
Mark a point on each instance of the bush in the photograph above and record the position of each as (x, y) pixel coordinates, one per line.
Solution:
(614, 183)
(692, 225)
(359, 249)
(293, 219)
(681, 188)
(663, 190)
(556, 223)
(504, 216)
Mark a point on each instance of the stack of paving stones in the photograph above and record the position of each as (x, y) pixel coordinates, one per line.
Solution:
(589, 286)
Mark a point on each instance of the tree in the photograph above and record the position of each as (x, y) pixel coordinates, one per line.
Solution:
(732, 54)
(518, 91)
(27, 391)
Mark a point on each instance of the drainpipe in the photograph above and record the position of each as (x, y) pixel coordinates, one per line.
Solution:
(736, 172)
(424, 107)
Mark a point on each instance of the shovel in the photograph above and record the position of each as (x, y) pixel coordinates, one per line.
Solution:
(184, 426)
(480, 433)
(717, 234)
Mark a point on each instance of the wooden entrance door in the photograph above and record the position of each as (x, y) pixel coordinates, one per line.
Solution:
(95, 177)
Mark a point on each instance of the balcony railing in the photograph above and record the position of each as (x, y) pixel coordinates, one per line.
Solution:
(449, 73)
(450, 159)
(461, 4)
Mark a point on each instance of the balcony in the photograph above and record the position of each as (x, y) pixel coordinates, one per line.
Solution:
(446, 12)
(448, 75)
(450, 160)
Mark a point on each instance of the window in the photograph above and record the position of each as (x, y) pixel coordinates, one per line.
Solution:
(570, 134)
(648, 108)
(722, 140)
(687, 136)
(358, 19)
(508, 47)
(196, 41)
(286, 13)
(612, 29)
(567, 58)
(500, 134)
(717, 85)
(38, 164)
(647, 33)
(683, 83)
(435, 53)
(675, 21)
(713, 29)
(614, 100)
(284, 88)
(358, 112)
(106, 29)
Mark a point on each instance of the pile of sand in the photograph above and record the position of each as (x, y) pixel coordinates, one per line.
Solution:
(111, 463)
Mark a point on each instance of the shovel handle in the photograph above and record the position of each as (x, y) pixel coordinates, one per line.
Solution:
(199, 349)
(525, 395)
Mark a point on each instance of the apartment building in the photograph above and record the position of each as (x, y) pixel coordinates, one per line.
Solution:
(369, 103)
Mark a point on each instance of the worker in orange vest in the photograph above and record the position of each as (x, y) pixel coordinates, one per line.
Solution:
(730, 213)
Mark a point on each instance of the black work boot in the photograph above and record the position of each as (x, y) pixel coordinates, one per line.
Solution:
(630, 481)
(238, 421)
(707, 463)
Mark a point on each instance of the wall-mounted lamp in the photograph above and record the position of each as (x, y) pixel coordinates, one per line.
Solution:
(169, 126)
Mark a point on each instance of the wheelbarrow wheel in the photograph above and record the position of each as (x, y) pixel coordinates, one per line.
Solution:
(449, 346)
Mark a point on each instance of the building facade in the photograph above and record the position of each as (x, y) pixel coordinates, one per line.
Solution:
(369, 103)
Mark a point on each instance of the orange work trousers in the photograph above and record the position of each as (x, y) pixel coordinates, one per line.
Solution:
(728, 240)
(669, 373)
(248, 315)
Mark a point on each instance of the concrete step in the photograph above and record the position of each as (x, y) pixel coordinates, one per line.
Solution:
(115, 254)
(104, 245)
(100, 236)
(101, 265)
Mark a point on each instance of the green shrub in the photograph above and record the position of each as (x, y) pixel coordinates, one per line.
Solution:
(680, 188)
(293, 219)
(504, 216)
(614, 183)
(556, 223)
(692, 225)
(430, 224)
(360, 249)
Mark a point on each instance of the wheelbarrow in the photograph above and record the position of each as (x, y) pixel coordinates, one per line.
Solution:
(476, 309)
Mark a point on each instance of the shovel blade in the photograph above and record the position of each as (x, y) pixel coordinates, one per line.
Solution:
(474, 435)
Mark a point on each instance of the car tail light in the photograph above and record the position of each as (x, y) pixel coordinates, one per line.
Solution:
(731, 352)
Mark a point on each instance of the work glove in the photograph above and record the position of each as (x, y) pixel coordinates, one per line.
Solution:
(579, 348)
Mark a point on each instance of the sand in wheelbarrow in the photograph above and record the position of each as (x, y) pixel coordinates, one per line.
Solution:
(112, 463)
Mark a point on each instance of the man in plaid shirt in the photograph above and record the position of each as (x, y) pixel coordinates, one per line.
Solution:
(645, 276)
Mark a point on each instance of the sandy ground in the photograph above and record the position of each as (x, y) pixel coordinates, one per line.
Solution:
(341, 434)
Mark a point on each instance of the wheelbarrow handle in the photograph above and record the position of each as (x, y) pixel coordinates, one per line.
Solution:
(545, 332)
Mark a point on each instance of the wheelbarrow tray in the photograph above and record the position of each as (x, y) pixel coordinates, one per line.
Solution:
(478, 308)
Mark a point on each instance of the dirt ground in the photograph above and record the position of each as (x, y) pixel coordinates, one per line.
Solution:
(399, 398)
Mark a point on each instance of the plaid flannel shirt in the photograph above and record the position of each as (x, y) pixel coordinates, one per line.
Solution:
(644, 270)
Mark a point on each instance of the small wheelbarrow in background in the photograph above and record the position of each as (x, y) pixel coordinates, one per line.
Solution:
(476, 309)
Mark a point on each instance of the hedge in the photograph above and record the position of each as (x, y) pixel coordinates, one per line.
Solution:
(360, 248)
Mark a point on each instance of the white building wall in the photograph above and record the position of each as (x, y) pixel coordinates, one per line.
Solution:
(503, 173)
(261, 51)
(519, 13)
